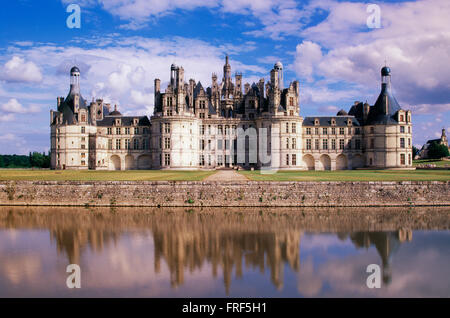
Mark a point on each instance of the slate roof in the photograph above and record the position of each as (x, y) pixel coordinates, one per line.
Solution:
(376, 112)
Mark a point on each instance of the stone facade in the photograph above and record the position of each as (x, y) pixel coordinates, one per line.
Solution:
(229, 125)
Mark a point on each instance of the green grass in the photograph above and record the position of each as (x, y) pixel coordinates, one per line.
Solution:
(437, 162)
(86, 175)
(351, 175)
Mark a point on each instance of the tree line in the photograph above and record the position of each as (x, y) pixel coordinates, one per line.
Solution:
(33, 160)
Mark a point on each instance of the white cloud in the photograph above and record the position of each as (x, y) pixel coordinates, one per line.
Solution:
(308, 54)
(7, 118)
(430, 108)
(13, 106)
(18, 70)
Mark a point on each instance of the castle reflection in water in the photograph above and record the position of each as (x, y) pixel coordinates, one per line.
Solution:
(229, 241)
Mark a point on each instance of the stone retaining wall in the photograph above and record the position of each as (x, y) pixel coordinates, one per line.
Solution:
(250, 193)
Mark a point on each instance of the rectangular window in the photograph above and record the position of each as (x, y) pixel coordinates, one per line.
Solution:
(227, 144)
(110, 144)
(357, 131)
(325, 131)
(202, 160)
(349, 144)
(145, 144)
(169, 112)
(291, 101)
(341, 131)
(167, 128)
(402, 129)
(83, 130)
(136, 144)
(333, 144)
(109, 131)
(287, 143)
(294, 128)
(402, 142)
(287, 159)
(372, 143)
(294, 159)
(325, 144)
(83, 146)
(308, 131)
(117, 143)
(202, 129)
(341, 144)
(291, 113)
(287, 127)
(166, 143)
(136, 130)
(220, 129)
(201, 115)
(316, 131)
(333, 131)
(294, 143)
(317, 144)
(202, 144)
(308, 144)
(83, 155)
(220, 160)
(357, 143)
(83, 163)
(227, 130)
(402, 159)
(167, 159)
(219, 144)
(127, 143)
(127, 130)
(117, 131)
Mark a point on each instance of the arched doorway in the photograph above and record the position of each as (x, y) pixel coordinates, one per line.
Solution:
(357, 161)
(144, 162)
(308, 162)
(129, 162)
(341, 162)
(115, 162)
(325, 162)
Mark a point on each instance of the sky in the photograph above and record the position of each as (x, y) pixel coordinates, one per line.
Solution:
(123, 45)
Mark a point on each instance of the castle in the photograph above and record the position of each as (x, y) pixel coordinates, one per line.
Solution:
(229, 125)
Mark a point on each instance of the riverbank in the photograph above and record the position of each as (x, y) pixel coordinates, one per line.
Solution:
(224, 194)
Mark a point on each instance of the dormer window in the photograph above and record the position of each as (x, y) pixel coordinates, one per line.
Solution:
(135, 121)
(349, 122)
(316, 122)
(333, 121)
(117, 122)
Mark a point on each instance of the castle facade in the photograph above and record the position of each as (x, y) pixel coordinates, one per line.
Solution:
(229, 125)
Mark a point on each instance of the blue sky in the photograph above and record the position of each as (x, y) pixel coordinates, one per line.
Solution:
(123, 45)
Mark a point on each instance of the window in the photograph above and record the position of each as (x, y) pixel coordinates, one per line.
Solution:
(83, 163)
(402, 129)
(291, 113)
(349, 144)
(341, 131)
(294, 143)
(409, 142)
(202, 144)
(287, 127)
(341, 144)
(145, 144)
(402, 142)
(169, 112)
(110, 144)
(202, 104)
(166, 143)
(333, 144)
(333, 131)
(220, 129)
(219, 144)
(291, 101)
(409, 159)
(201, 115)
(227, 130)
(117, 143)
(167, 159)
(402, 118)
(127, 130)
(169, 101)
(136, 130)
(325, 131)
(83, 118)
(82, 138)
(127, 143)
(308, 144)
(83, 155)
(109, 131)
(287, 159)
(83, 146)
(294, 128)
(136, 144)
(308, 131)
(202, 129)
(209, 144)
(145, 131)
(325, 144)
(83, 130)
(316, 131)
(317, 144)
(117, 131)
(294, 159)
(402, 159)
(372, 143)
(167, 128)
(349, 130)
(201, 160)
(357, 143)
(287, 143)
(409, 129)
(357, 131)
(220, 160)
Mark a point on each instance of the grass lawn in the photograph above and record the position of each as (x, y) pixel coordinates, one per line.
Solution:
(351, 175)
(437, 162)
(86, 175)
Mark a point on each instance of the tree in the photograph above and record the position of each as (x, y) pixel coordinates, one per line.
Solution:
(436, 151)
(414, 151)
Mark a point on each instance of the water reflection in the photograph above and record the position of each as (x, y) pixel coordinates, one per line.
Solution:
(191, 249)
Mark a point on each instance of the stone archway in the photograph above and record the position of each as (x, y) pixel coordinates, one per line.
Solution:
(324, 162)
(308, 162)
(115, 162)
(341, 162)
(357, 161)
(129, 162)
(144, 162)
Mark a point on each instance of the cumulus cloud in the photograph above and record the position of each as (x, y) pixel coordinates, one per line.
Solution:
(13, 106)
(19, 70)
